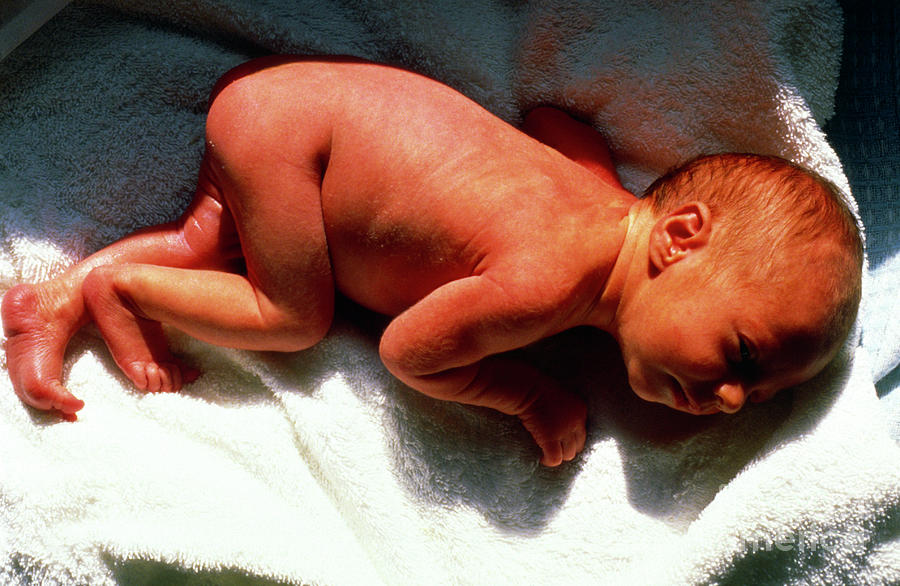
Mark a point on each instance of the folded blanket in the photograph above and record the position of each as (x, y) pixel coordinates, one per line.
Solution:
(318, 467)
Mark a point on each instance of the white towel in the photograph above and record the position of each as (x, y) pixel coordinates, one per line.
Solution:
(318, 467)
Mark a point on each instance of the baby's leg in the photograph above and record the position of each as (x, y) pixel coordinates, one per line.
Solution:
(129, 302)
(39, 319)
(284, 303)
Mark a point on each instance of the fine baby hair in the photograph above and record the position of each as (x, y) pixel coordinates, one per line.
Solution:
(776, 215)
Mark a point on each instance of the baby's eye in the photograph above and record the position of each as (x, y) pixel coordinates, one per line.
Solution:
(746, 364)
(746, 358)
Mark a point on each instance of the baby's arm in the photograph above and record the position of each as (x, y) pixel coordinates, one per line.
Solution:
(575, 140)
(445, 346)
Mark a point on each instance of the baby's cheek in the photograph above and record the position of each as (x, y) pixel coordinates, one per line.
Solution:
(762, 396)
(636, 378)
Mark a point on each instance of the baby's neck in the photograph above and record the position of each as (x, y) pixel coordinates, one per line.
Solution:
(605, 310)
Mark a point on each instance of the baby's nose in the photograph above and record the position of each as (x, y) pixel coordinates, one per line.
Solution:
(730, 397)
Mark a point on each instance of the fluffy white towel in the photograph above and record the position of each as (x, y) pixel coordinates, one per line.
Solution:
(318, 467)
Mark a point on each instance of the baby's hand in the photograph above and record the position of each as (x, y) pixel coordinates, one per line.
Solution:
(556, 421)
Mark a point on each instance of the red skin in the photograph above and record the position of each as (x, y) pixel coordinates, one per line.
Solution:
(387, 186)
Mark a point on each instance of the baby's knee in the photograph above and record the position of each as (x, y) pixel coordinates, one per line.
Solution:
(110, 285)
(294, 331)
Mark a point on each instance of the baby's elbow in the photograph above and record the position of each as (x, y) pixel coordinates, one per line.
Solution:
(396, 358)
(422, 372)
(408, 362)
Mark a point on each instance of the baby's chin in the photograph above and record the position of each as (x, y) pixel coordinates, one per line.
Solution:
(666, 395)
(655, 394)
(647, 389)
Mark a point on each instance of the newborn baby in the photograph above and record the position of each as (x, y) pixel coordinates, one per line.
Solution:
(391, 188)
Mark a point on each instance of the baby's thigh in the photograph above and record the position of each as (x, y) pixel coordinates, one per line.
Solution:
(265, 154)
(277, 212)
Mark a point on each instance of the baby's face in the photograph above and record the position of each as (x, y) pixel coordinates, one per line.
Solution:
(707, 346)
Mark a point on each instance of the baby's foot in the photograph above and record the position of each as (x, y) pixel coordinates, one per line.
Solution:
(38, 329)
(556, 421)
(137, 344)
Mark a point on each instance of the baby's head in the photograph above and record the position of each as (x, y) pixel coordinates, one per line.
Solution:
(752, 282)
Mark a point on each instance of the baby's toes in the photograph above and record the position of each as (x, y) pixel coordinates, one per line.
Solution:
(155, 377)
(170, 377)
(150, 376)
(137, 373)
(163, 377)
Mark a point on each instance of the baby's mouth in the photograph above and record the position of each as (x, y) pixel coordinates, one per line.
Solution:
(680, 399)
(683, 401)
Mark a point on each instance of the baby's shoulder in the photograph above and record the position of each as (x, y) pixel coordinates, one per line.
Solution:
(562, 271)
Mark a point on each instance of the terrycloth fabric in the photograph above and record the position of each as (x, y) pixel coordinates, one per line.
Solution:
(318, 467)
(866, 135)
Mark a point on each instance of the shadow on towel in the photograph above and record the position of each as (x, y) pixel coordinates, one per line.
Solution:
(450, 455)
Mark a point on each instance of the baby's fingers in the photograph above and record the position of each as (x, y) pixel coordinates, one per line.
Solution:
(571, 446)
(553, 454)
(564, 450)
(574, 443)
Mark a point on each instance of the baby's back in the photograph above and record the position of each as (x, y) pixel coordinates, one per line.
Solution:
(421, 186)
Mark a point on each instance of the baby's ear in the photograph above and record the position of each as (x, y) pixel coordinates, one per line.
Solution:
(679, 233)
